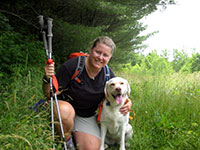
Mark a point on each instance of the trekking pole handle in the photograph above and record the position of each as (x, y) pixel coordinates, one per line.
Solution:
(42, 31)
(50, 35)
(41, 22)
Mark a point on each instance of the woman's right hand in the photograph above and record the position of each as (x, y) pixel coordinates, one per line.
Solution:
(49, 70)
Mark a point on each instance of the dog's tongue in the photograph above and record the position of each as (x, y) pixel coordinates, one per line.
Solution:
(119, 99)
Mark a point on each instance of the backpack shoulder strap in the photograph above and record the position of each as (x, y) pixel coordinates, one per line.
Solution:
(79, 69)
(107, 72)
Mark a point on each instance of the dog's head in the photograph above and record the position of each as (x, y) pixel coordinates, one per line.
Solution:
(117, 90)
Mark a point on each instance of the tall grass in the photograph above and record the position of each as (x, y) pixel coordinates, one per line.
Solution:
(168, 111)
(167, 108)
(20, 127)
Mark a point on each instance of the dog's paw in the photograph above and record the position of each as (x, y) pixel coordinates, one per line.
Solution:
(105, 146)
(122, 147)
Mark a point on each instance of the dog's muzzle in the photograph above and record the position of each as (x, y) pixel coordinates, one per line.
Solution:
(118, 98)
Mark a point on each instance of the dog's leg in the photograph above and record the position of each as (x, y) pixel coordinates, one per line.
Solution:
(129, 134)
(122, 142)
(103, 135)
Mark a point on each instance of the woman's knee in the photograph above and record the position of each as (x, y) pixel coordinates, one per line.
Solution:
(66, 110)
(86, 141)
(88, 146)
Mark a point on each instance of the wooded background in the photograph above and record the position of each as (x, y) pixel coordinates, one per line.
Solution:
(76, 23)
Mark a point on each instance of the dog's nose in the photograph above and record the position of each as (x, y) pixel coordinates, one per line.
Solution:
(118, 89)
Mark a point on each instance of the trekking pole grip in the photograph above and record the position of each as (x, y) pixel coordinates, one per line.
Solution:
(50, 35)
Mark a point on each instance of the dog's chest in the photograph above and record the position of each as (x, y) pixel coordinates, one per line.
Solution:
(113, 119)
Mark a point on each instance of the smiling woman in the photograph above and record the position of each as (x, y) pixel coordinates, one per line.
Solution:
(79, 102)
(178, 28)
(100, 54)
(98, 58)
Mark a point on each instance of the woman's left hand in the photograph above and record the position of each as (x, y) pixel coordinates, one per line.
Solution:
(126, 108)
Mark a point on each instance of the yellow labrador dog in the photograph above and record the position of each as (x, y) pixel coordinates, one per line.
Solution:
(115, 127)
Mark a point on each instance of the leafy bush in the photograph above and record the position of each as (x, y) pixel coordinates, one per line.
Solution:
(151, 64)
(4, 25)
(18, 54)
(195, 62)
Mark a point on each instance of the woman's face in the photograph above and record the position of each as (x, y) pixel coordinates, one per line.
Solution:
(100, 55)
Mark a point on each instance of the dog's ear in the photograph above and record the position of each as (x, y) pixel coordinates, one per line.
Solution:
(128, 88)
(105, 89)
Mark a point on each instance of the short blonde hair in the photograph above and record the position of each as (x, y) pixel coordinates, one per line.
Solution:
(105, 40)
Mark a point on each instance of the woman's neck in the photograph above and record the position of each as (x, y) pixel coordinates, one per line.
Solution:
(91, 71)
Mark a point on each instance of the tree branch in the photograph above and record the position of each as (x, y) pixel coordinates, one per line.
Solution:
(13, 14)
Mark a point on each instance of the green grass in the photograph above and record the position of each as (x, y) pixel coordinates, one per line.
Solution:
(168, 111)
(167, 108)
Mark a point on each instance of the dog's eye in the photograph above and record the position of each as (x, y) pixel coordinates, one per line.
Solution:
(112, 84)
(121, 83)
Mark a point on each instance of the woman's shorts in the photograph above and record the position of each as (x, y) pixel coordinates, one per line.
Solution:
(87, 125)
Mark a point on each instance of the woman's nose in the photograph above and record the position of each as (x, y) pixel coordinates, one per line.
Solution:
(101, 56)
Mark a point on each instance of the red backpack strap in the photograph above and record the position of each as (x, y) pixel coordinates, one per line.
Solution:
(76, 54)
(79, 69)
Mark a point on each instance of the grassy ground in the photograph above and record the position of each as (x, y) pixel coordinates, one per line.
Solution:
(168, 111)
(167, 108)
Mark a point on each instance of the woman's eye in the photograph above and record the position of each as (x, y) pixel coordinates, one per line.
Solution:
(105, 55)
(98, 52)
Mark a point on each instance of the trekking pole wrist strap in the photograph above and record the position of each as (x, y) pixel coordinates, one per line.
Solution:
(45, 80)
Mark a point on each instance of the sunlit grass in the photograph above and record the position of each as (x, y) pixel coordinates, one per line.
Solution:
(168, 111)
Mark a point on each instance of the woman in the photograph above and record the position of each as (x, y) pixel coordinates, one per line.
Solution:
(79, 102)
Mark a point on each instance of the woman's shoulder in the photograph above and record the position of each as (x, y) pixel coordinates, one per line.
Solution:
(71, 61)
(68, 67)
(70, 64)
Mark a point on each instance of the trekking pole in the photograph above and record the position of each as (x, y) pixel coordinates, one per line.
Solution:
(48, 49)
(50, 35)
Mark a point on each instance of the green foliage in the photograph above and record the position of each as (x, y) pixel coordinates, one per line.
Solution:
(183, 63)
(22, 128)
(180, 58)
(4, 26)
(154, 64)
(151, 64)
(77, 22)
(18, 53)
(195, 62)
(70, 38)
(167, 109)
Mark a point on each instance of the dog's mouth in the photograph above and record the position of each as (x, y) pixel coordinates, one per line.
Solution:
(118, 98)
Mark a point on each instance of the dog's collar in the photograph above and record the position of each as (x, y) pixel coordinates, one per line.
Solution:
(108, 104)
